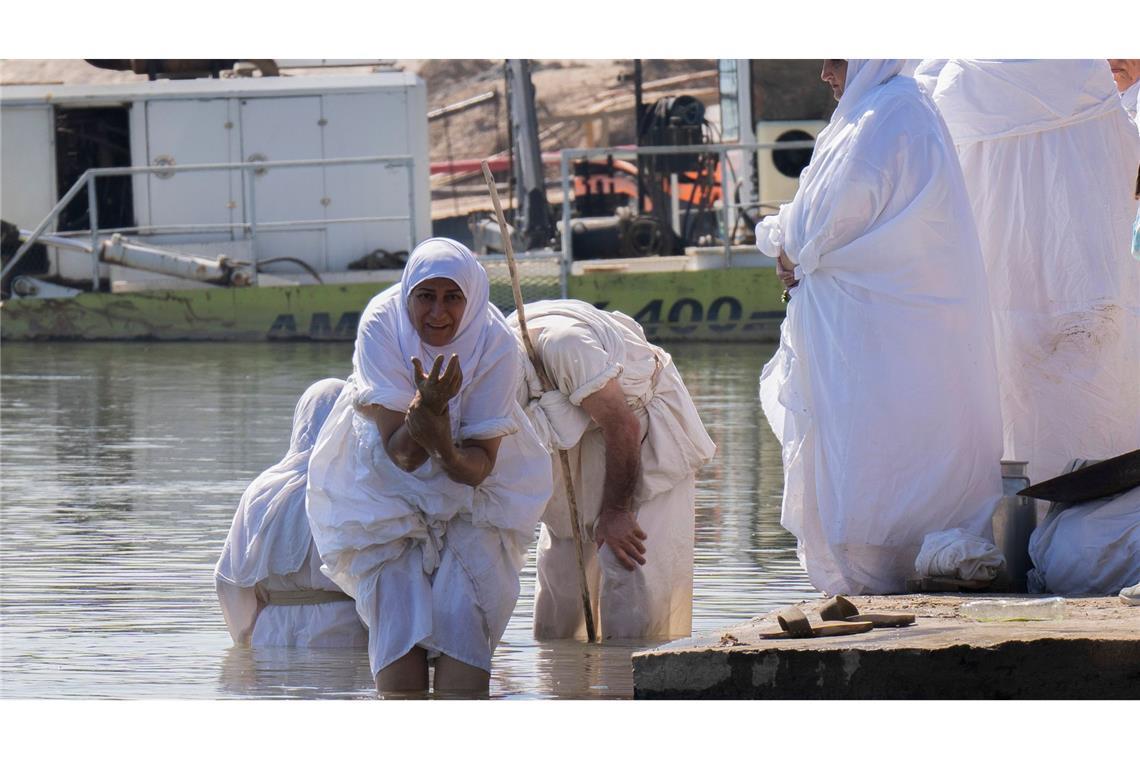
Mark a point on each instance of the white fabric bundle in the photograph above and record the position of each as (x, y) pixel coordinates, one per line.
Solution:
(269, 546)
(883, 390)
(1087, 548)
(370, 518)
(1050, 162)
(955, 553)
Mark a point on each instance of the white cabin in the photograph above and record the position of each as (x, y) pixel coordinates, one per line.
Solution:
(50, 134)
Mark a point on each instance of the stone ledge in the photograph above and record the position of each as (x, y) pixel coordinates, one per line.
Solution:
(1092, 653)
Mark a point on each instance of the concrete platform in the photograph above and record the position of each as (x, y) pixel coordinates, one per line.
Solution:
(1093, 652)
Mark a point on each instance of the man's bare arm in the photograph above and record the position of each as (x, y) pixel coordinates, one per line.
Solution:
(617, 527)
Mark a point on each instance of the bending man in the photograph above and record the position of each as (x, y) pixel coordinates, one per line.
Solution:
(635, 443)
(883, 392)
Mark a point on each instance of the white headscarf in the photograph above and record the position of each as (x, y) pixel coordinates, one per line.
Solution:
(386, 340)
(270, 531)
(818, 218)
(862, 77)
(999, 99)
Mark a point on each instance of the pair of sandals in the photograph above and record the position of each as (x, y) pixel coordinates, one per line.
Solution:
(840, 618)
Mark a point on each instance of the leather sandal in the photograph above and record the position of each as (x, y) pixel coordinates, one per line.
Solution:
(841, 608)
(795, 625)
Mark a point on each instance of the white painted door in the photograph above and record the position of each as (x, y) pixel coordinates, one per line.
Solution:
(366, 124)
(282, 129)
(27, 165)
(182, 132)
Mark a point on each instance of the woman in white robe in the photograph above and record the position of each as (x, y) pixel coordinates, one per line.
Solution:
(883, 390)
(428, 530)
(268, 578)
(1050, 160)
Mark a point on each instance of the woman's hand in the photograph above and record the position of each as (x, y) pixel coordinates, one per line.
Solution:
(433, 391)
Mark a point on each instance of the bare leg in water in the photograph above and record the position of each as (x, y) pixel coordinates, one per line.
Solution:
(458, 679)
(407, 677)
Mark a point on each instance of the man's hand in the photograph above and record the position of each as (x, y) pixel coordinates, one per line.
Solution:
(433, 391)
(618, 529)
(784, 270)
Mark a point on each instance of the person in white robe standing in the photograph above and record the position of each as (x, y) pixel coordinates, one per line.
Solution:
(425, 488)
(268, 578)
(883, 391)
(1126, 73)
(635, 443)
(1050, 161)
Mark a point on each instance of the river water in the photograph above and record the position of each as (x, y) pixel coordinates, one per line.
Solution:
(121, 465)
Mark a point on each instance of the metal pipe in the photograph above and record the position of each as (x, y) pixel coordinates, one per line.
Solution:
(66, 199)
(567, 237)
(93, 217)
(462, 105)
(226, 226)
(412, 214)
(59, 241)
(310, 162)
(252, 206)
(164, 262)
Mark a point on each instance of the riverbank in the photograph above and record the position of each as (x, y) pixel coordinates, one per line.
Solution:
(1092, 652)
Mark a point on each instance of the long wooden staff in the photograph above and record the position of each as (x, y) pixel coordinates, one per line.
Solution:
(591, 631)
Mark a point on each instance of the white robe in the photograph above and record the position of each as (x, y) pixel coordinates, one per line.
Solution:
(883, 390)
(582, 348)
(269, 549)
(1050, 162)
(431, 562)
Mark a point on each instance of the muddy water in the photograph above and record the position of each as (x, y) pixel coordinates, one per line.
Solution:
(120, 468)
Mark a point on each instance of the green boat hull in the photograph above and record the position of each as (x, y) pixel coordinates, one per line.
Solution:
(716, 304)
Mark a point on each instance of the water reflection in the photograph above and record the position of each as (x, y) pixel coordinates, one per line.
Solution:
(120, 468)
(278, 672)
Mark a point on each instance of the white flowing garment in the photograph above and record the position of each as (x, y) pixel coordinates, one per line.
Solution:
(1050, 162)
(431, 562)
(582, 349)
(883, 390)
(270, 549)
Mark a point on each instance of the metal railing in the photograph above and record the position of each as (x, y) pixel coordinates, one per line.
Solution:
(724, 208)
(89, 177)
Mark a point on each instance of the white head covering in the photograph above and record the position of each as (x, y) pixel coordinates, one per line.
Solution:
(386, 340)
(863, 79)
(270, 531)
(990, 99)
(843, 140)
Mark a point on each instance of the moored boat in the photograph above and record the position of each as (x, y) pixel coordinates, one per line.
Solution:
(274, 208)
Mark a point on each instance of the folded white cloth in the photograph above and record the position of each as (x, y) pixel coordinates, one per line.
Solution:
(1131, 595)
(955, 553)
